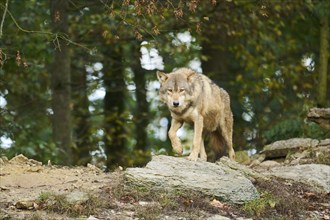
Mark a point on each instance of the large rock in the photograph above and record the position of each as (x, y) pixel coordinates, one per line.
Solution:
(248, 172)
(172, 173)
(320, 116)
(316, 176)
(284, 147)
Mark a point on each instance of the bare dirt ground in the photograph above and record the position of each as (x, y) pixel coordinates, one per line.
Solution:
(23, 181)
(30, 190)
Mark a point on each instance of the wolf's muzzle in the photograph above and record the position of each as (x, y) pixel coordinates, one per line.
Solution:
(176, 104)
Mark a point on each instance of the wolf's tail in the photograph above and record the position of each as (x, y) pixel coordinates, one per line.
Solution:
(218, 144)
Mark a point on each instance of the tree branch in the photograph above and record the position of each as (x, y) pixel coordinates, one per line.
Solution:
(56, 36)
(3, 18)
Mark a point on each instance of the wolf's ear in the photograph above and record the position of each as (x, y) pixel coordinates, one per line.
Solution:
(190, 76)
(162, 77)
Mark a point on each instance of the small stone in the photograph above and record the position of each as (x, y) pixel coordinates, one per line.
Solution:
(255, 163)
(295, 161)
(25, 204)
(77, 197)
(35, 169)
(19, 159)
(3, 188)
(216, 203)
(94, 168)
(92, 218)
(218, 217)
(12, 207)
(35, 162)
(143, 203)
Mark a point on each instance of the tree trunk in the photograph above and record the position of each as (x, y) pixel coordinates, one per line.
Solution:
(114, 107)
(324, 57)
(142, 106)
(81, 115)
(142, 109)
(141, 112)
(60, 76)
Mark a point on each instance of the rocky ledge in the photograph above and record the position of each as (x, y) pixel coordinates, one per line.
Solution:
(295, 160)
(173, 173)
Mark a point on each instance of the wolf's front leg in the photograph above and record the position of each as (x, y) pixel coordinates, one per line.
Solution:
(198, 130)
(175, 141)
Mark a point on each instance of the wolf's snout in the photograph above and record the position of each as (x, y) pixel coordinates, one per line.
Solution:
(176, 104)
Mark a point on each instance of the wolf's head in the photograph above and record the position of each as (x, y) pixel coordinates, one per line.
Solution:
(176, 89)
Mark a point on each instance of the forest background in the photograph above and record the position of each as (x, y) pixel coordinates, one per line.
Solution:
(78, 82)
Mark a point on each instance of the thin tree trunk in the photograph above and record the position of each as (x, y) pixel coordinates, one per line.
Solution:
(142, 109)
(142, 106)
(114, 107)
(60, 76)
(81, 115)
(324, 57)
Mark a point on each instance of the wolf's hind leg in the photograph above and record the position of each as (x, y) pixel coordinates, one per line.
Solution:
(175, 141)
(227, 134)
(231, 152)
(202, 153)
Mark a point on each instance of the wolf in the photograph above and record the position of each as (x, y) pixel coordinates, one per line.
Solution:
(193, 98)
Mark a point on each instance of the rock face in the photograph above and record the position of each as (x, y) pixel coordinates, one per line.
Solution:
(284, 147)
(301, 160)
(315, 175)
(320, 116)
(172, 173)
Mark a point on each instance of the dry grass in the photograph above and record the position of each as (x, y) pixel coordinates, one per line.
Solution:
(58, 203)
(282, 200)
(162, 202)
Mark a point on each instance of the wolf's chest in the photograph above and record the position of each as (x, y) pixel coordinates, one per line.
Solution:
(210, 120)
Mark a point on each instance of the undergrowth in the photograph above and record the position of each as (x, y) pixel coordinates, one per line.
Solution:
(282, 200)
(58, 203)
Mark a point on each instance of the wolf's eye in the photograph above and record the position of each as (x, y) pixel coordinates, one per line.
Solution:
(170, 90)
(181, 90)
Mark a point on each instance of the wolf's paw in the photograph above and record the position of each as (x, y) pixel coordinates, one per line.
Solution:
(178, 150)
(203, 157)
(192, 157)
(232, 155)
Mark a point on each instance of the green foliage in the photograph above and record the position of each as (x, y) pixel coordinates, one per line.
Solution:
(284, 130)
(294, 127)
(258, 206)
